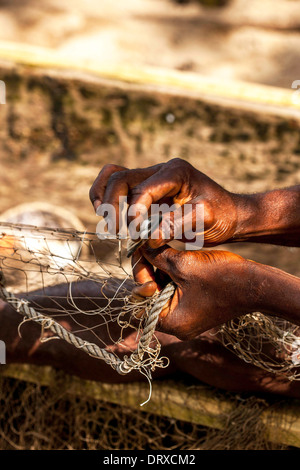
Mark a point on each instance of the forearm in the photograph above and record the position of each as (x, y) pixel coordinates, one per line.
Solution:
(206, 359)
(272, 217)
(274, 292)
(29, 349)
(51, 301)
(18, 349)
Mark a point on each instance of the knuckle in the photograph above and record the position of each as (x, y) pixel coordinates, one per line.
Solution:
(179, 162)
(109, 167)
(179, 169)
(108, 170)
(118, 176)
(139, 190)
(105, 171)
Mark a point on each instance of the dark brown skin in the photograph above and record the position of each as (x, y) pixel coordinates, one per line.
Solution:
(203, 358)
(271, 217)
(212, 286)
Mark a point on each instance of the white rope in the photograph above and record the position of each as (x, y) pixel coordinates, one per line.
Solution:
(134, 361)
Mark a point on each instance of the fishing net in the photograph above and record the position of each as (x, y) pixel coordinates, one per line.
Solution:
(267, 342)
(97, 278)
(38, 417)
(34, 260)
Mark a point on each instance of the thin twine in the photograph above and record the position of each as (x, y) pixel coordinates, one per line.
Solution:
(135, 361)
(152, 311)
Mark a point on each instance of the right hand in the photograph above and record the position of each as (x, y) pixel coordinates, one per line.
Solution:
(174, 182)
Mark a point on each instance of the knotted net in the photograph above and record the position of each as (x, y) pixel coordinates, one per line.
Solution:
(54, 274)
(51, 275)
(267, 342)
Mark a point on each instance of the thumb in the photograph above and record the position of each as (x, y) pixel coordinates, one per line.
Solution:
(162, 258)
(147, 279)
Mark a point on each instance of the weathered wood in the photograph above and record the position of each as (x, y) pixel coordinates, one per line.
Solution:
(169, 80)
(196, 404)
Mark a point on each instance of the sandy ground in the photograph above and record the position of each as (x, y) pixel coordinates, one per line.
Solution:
(257, 40)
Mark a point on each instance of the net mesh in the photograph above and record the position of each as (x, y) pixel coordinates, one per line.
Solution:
(267, 342)
(37, 417)
(97, 281)
(34, 260)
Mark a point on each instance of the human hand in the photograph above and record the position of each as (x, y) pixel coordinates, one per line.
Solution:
(213, 287)
(175, 182)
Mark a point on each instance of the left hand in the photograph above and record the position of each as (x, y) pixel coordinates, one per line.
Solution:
(212, 287)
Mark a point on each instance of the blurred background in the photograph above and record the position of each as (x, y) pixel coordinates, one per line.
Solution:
(257, 40)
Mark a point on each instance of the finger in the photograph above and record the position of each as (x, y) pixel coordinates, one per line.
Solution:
(145, 290)
(165, 232)
(185, 223)
(118, 188)
(144, 276)
(166, 183)
(98, 188)
(142, 269)
(163, 258)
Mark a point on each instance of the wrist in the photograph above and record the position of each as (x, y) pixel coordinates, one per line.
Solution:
(271, 217)
(248, 209)
(273, 292)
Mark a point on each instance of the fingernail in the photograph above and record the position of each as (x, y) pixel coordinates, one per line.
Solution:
(96, 205)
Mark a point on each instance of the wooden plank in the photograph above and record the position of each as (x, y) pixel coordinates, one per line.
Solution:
(168, 79)
(197, 404)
